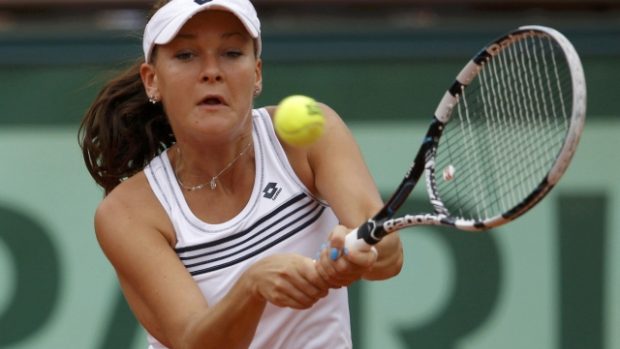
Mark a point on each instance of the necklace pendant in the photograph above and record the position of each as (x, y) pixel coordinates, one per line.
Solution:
(213, 181)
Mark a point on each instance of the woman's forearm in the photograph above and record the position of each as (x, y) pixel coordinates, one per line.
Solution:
(389, 261)
(231, 323)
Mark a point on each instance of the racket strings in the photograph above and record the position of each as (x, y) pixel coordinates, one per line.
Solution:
(531, 111)
(509, 126)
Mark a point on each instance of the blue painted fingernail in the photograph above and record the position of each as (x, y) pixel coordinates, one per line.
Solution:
(333, 253)
(345, 251)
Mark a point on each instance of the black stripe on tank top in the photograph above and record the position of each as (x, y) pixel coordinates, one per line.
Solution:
(256, 236)
(249, 235)
(241, 234)
(263, 237)
(254, 252)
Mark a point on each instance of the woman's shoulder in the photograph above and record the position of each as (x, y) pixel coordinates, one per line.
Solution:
(131, 206)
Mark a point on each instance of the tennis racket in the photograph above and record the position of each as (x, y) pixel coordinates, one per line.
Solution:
(501, 138)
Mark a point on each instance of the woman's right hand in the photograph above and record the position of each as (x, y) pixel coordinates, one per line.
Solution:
(288, 280)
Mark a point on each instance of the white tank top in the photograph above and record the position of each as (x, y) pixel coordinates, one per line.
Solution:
(281, 216)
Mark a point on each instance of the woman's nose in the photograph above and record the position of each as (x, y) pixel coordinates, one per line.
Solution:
(211, 71)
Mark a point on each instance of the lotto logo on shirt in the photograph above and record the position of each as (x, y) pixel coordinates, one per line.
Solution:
(271, 191)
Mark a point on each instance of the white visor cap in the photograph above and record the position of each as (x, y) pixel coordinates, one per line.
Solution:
(168, 20)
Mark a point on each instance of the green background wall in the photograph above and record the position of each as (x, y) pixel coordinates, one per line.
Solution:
(550, 280)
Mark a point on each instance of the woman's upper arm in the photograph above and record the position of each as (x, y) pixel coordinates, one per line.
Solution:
(161, 293)
(341, 176)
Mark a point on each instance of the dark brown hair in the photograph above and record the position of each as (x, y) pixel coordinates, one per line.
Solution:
(122, 131)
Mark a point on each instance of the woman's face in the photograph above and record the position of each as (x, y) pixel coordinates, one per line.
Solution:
(207, 77)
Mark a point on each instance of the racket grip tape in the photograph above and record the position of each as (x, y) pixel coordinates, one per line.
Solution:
(358, 239)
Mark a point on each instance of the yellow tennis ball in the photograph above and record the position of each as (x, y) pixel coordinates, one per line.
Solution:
(299, 121)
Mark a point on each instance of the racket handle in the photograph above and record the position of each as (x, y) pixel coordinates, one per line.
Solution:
(352, 242)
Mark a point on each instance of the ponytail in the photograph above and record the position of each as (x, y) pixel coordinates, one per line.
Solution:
(122, 131)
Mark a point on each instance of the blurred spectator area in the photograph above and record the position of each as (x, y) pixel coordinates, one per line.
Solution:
(307, 29)
(331, 47)
(312, 14)
(41, 31)
(85, 10)
(268, 3)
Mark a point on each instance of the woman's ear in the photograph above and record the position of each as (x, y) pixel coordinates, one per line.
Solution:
(258, 84)
(149, 80)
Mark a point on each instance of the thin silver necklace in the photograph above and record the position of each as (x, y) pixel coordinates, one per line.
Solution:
(213, 182)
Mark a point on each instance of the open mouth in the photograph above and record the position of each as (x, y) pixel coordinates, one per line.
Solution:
(213, 101)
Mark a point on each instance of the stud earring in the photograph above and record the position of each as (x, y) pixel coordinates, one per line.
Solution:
(153, 100)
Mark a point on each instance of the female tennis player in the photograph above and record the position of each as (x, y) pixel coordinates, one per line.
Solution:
(211, 223)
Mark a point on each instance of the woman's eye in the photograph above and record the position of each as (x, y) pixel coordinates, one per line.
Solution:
(233, 54)
(184, 56)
